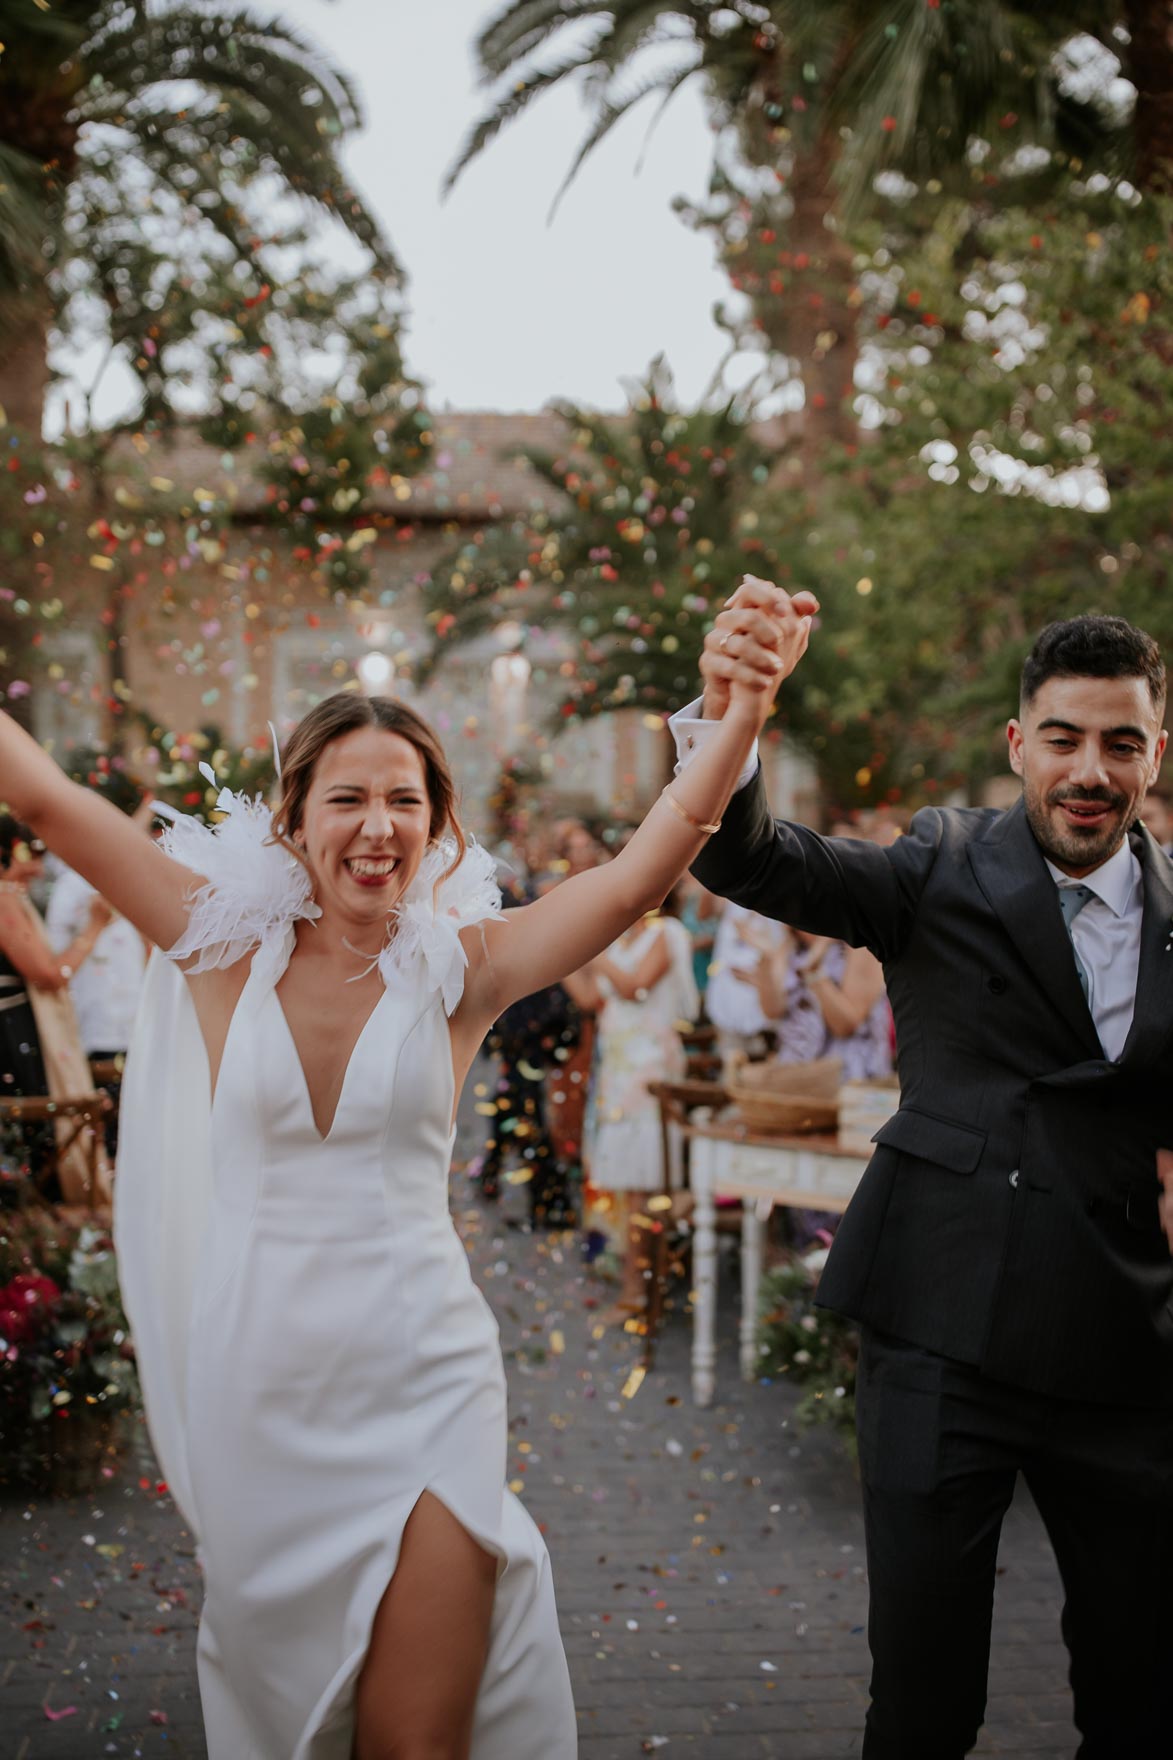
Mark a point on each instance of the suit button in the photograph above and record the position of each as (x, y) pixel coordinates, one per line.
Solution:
(1014, 1179)
(996, 984)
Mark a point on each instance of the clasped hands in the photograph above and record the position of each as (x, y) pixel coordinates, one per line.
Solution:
(757, 641)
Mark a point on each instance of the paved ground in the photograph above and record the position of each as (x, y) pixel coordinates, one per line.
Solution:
(709, 1565)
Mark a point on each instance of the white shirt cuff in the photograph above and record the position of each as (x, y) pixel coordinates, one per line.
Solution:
(690, 730)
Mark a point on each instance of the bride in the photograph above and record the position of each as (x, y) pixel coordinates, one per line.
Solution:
(323, 1381)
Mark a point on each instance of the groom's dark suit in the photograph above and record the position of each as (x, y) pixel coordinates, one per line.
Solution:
(1005, 1256)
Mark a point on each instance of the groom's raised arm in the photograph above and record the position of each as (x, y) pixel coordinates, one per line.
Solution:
(843, 887)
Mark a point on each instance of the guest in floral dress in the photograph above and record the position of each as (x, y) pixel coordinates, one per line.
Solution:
(645, 995)
(826, 1000)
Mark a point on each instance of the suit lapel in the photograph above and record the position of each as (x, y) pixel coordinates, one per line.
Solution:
(1008, 866)
(1153, 1015)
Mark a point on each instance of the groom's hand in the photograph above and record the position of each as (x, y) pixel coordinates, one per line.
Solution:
(1165, 1201)
(760, 626)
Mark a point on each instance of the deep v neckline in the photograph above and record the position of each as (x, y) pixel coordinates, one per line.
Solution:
(324, 1137)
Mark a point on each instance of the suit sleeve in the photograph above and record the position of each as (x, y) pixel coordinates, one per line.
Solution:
(838, 886)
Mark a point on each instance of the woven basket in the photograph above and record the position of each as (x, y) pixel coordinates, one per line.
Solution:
(779, 1099)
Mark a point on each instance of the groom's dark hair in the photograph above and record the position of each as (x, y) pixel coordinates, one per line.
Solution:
(1094, 647)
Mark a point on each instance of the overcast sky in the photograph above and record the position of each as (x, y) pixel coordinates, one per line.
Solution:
(507, 311)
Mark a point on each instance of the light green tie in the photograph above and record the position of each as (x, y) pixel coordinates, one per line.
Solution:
(1071, 901)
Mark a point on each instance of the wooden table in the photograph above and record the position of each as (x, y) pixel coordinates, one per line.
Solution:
(812, 1172)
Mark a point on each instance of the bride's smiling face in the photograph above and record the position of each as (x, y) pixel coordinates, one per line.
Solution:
(365, 823)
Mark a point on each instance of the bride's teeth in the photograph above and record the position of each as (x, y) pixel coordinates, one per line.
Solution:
(370, 868)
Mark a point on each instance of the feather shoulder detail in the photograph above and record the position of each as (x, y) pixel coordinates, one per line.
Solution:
(430, 917)
(254, 889)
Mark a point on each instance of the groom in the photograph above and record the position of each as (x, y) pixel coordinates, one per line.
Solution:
(1005, 1253)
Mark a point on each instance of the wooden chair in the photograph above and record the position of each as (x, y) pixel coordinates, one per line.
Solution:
(700, 1049)
(88, 1109)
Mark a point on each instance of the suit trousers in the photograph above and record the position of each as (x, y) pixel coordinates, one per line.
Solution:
(941, 1447)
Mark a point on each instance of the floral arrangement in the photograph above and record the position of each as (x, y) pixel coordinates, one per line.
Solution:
(809, 1345)
(66, 1357)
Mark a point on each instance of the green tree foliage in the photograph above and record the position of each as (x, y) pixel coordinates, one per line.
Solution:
(903, 198)
(1021, 363)
(123, 119)
(184, 159)
(655, 534)
(811, 101)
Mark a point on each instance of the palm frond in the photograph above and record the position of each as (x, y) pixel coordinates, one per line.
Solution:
(265, 88)
(522, 95)
(526, 25)
(669, 92)
(925, 81)
(22, 217)
(217, 48)
(609, 113)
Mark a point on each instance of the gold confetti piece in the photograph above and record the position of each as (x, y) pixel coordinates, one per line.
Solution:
(661, 1201)
(557, 1343)
(487, 1108)
(634, 1382)
(105, 563)
(517, 1486)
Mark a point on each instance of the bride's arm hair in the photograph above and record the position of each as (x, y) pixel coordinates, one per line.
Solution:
(94, 838)
(538, 944)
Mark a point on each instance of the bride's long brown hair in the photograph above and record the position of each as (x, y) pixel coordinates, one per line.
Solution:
(339, 715)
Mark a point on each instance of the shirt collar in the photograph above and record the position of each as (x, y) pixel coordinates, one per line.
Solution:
(1117, 882)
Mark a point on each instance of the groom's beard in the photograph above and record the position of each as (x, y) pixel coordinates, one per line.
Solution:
(1069, 844)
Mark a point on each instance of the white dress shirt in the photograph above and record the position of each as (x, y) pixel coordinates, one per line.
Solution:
(1106, 936)
(690, 730)
(731, 1004)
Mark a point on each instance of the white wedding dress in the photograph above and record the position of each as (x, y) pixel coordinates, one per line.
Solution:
(314, 1352)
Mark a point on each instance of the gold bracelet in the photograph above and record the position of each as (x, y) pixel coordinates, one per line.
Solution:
(683, 813)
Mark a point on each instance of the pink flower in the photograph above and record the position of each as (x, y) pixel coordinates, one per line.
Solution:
(25, 1304)
(14, 1328)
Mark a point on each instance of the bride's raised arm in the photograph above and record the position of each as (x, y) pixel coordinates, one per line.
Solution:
(109, 850)
(544, 941)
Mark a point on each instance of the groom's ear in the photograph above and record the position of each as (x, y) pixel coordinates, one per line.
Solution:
(1015, 737)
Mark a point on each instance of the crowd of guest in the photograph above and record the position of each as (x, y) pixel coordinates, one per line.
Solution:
(572, 1117)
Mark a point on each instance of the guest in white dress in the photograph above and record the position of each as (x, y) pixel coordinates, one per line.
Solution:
(324, 1383)
(644, 993)
(734, 1006)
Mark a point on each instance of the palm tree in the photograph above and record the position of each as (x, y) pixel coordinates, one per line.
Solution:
(818, 97)
(198, 98)
(647, 531)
